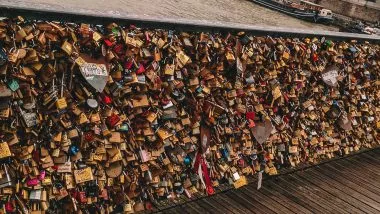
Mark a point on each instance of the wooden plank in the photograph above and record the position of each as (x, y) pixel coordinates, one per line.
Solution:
(294, 200)
(277, 197)
(221, 206)
(353, 191)
(213, 206)
(183, 208)
(355, 176)
(371, 159)
(377, 151)
(365, 165)
(293, 186)
(346, 181)
(359, 165)
(253, 207)
(195, 207)
(295, 197)
(341, 205)
(360, 201)
(373, 156)
(172, 211)
(206, 206)
(355, 205)
(310, 193)
(235, 208)
(191, 208)
(263, 200)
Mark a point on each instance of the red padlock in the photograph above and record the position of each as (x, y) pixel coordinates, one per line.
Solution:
(148, 205)
(285, 119)
(104, 194)
(118, 49)
(82, 197)
(147, 38)
(315, 57)
(251, 123)
(210, 190)
(128, 64)
(165, 101)
(112, 120)
(89, 137)
(286, 97)
(275, 109)
(250, 114)
(108, 42)
(242, 163)
(106, 99)
(141, 69)
(9, 207)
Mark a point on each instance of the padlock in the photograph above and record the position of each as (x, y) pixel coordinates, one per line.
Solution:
(112, 120)
(29, 118)
(82, 197)
(144, 156)
(61, 103)
(35, 195)
(6, 180)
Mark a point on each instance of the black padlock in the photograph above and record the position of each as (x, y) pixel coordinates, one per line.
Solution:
(3, 57)
(92, 189)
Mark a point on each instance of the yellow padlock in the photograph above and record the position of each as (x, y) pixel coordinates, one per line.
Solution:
(61, 103)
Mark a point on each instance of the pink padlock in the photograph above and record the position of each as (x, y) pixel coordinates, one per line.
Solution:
(9, 207)
(32, 182)
(42, 175)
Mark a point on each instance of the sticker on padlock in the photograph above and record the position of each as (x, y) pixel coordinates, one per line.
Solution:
(35, 194)
(144, 155)
(66, 167)
(83, 175)
(235, 176)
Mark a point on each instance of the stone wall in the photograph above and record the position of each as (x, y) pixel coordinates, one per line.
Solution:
(369, 12)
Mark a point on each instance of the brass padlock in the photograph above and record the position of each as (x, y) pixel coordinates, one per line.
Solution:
(61, 103)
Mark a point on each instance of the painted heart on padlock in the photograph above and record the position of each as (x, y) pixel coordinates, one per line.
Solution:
(95, 72)
(261, 131)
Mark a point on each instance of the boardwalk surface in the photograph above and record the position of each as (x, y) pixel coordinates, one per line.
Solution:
(348, 185)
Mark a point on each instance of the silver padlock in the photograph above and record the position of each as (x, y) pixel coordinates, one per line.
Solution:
(35, 194)
(30, 119)
(6, 180)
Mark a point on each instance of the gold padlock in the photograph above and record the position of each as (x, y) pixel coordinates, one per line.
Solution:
(67, 47)
(4, 150)
(61, 103)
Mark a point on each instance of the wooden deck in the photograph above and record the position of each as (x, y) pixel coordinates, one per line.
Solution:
(347, 185)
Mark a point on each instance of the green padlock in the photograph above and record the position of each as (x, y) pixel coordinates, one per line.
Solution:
(13, 85)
